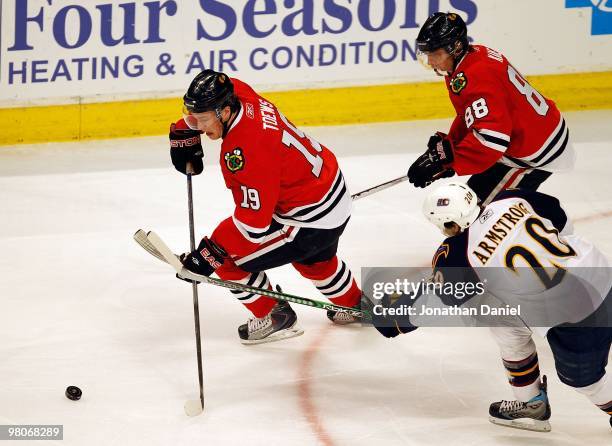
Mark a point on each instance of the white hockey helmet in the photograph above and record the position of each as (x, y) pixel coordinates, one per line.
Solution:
(452, 202)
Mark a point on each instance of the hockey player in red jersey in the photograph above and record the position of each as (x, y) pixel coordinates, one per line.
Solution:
(291, 202)
(506, 134)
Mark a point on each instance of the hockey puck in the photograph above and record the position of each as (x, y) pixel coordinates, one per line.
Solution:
(73, 393)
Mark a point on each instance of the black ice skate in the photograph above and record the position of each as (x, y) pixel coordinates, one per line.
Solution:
(532, 415)
(280, 323)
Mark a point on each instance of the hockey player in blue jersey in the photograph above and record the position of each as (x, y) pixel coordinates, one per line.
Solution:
(522, 241)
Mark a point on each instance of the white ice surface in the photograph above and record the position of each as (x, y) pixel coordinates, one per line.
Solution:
(82, 304)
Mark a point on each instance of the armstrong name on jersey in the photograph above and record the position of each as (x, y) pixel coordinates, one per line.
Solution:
(504, 225)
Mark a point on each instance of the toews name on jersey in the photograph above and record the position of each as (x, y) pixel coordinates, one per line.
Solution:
(268, 115)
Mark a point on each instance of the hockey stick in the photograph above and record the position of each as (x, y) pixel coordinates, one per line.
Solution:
(194, 407)
(388, 184)
(374, 189)
(155, 246)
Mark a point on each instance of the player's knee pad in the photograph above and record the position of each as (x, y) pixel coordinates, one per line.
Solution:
(580, 356)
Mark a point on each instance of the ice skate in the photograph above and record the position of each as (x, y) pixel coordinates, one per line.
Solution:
(341, 317)
(532, 415)
(345, 318)
(280, 323)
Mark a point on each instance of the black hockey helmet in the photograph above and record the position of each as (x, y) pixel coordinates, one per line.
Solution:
(209, 91)
(443, 30)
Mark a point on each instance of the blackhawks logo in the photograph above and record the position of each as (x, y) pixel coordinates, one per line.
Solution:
(234, 160)
(458, 83)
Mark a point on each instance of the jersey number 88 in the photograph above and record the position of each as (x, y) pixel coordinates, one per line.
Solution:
(479, 108)
(535, 99)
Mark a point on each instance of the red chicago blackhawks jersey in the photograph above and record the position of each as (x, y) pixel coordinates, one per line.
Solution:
(502, 118)
(279, 177)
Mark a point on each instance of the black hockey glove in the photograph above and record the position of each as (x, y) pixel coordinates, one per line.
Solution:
(391, 326)
(433, 164)
(392, 332)
(186, 148)
(205, 259)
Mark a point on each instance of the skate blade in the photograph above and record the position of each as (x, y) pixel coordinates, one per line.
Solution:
(524, 424)
(278, 336)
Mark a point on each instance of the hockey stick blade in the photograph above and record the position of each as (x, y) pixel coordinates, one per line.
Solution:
(140, 237)
(155, 246)
(193, 408)
(168, 256)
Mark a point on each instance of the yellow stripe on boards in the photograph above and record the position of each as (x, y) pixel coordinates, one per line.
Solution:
(330, 106)
(576, 91)
(353, 105)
